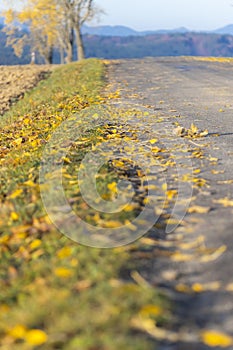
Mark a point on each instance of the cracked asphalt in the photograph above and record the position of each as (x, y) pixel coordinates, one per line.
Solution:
(185, 91)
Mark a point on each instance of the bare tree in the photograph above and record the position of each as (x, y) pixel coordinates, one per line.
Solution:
(79, 12)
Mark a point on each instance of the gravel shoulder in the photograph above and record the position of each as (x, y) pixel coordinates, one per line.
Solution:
(199, 281)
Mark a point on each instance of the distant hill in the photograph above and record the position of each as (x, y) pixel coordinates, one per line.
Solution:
(175, 44)
(124, 31)
(109, 31)
(225, 30)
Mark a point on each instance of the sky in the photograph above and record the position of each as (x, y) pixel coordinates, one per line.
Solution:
(165, 14)
(168, 14)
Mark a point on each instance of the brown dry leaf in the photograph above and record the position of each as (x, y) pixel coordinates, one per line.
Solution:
(82, 285)
(179, 257)
(193, 129)
(215, 255)
(226, 202)
(200, 241)
(229, 287)
(216, 172)
(147, 325)
(204, 133)
(183, 288)
(179, 131)
(225, 182)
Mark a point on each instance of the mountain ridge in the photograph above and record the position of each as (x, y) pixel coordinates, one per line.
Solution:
(123, 31)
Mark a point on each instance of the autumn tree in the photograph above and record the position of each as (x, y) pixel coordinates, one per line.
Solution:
(77, 12)
(51, 23)
(42, 18)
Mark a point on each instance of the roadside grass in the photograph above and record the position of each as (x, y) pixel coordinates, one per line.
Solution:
(54, 293)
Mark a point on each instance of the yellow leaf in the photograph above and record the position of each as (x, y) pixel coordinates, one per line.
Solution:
(111, 224)
(151, 310)
(130, 225)
(18, 141)
(17, 332)
(63, 272)
(197, 287)
(130, 207)
(35, 244)
(34, 143)
(64, 253)
(27, 121)
(113, 187)
(156, 150)
(35, 337)
(14, 216)
(15, 194)
(66, 160)
(153, 141)
(118, 163)
(214, 338)
(198, 209)
(29, 183)
(171, 194)
(164, 187)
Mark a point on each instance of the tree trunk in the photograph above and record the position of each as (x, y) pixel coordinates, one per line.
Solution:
(70, 47)
(79, 41)
(62, 60)
(69, 53)
(48, 57)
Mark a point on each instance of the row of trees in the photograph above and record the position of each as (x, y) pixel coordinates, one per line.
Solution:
(50, 23)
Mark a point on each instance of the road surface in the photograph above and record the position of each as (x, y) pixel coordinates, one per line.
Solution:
(186, 91)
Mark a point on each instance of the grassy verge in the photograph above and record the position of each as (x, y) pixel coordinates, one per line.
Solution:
(54, 293)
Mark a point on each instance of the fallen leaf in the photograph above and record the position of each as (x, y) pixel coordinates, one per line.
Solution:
(63, 272)
(198, 209)
(15, 194)
(214, 338)
(35, 337)
(226, 202)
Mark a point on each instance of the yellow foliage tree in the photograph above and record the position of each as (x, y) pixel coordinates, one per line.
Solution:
(51, 23)
(42, 19)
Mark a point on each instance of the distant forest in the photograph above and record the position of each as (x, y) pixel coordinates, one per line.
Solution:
(170, 44)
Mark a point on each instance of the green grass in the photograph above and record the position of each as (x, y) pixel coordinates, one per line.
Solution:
(54, 293)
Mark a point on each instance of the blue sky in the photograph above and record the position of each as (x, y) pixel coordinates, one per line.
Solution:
(159, 14)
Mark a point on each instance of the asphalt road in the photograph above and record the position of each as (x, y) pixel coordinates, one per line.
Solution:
(199, 92)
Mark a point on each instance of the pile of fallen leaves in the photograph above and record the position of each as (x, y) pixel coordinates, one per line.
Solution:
(192, 132)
